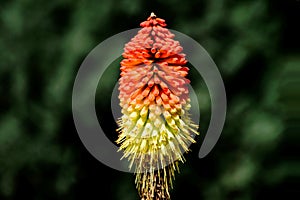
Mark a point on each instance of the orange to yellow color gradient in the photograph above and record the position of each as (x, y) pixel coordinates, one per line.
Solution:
(155, 128)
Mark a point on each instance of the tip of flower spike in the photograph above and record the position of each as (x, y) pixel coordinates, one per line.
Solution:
(153, 15)
(153, 21)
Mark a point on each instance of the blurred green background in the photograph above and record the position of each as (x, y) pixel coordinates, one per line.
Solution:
(255, 44)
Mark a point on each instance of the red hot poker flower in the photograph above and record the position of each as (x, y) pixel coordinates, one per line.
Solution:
(155, 129)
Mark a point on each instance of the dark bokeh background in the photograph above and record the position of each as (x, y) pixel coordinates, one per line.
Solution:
(255, 44)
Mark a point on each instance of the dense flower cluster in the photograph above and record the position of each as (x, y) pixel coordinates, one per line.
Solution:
(155, 129)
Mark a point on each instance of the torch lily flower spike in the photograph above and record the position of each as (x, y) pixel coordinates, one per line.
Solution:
(155, 128)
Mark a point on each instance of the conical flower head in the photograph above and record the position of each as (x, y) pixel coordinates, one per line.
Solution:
(155, 129)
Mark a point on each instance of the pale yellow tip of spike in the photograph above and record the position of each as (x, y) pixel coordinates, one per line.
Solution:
(152, 15)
